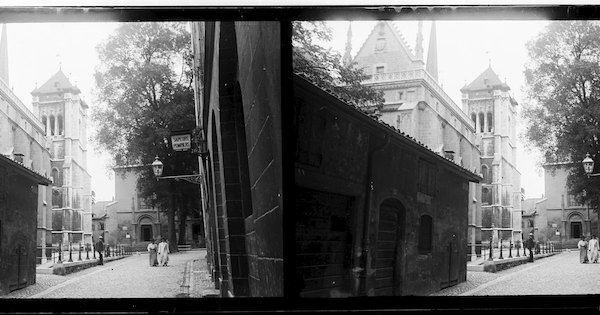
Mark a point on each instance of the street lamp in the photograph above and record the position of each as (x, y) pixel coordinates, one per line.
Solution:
(588, 165)
(157, 167)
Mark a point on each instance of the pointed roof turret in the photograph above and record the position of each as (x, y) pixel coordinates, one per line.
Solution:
(58, 83)
(4, 56)
(432, 62)
(348, 54)
(419, 44)
(488, 79)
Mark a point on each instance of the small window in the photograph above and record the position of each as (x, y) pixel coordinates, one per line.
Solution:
(425, 234)
(379, 69)
(400, 95)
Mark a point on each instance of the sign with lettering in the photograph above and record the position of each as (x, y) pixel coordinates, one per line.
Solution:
(181, 142)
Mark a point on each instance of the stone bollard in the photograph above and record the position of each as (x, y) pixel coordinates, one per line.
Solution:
(87, 251)
(510, 249)
(70, 252)
(501, 249)
(79, 259)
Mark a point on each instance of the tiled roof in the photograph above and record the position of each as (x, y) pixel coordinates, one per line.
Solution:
(41, 179)
(486, 80)
(56, 84)
(374, 117)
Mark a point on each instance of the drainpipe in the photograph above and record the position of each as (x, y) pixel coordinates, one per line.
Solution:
(362, 268)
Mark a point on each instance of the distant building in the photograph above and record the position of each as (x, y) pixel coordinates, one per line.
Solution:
(63, 115)
(23, 139)
(130, 219)
(558, 216)
(19, 188)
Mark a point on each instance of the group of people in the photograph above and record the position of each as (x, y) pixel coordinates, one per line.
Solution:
(159, 254)
(588, 250)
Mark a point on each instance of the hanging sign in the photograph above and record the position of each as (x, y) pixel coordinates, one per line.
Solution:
(181, 142)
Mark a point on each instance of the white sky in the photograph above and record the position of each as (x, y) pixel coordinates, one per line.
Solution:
(464, 50)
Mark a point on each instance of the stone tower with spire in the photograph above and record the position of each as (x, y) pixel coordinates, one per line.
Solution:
(494, 114)
(63, 114)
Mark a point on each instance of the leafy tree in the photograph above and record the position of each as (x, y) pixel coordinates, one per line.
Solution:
(563, 78)
(144, 85)
(325, 68)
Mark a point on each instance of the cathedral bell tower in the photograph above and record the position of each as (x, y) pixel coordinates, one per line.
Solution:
(63, 113)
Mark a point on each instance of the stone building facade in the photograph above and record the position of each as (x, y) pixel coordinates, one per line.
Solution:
(558, 216)
(416, 104)
(58, 105)
(377, 212)
(494, 114)
(239, 110)
(23, 139)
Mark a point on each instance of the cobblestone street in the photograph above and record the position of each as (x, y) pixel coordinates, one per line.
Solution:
(560, 274)
(130, 277)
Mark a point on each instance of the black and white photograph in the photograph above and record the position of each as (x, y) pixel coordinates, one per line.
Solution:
(193, 157)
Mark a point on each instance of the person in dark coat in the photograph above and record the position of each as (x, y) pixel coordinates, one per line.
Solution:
(530, 245)
(100, 249)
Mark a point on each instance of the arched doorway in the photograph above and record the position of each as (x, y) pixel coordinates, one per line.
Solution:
(389, 249)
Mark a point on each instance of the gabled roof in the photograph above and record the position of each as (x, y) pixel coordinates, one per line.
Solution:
(488, 79)
(56, 84)
(390, 28)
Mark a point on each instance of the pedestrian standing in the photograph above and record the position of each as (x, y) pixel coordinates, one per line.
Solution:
(530, 244)
(593, 249)
(163, 252)
(100, 248)
(152, 251)
(582, 245)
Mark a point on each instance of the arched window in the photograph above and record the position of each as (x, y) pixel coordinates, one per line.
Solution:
(59, 119)
(485, 174)
(474, 118)
(52, 125)
(490, 121)
(481, 120)
(425, 234)
(45, 123)
(486, 196)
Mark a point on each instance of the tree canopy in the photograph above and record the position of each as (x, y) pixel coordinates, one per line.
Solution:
(144, 86)
(563, 84)
(325, 67)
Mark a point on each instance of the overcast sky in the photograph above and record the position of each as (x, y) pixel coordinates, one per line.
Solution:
(465, 48)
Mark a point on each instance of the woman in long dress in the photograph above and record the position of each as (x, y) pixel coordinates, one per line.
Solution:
(152, 250)
(582, 245)
(163, 252)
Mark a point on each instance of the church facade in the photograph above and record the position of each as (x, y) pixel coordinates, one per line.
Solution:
(23, 139)
(416, 104)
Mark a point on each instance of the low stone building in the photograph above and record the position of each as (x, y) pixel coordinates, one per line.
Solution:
(377, 212)
(18, 224)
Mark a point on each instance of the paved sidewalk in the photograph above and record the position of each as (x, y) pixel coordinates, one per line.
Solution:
(130, 277)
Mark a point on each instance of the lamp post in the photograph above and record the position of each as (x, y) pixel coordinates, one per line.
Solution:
(588, 167)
